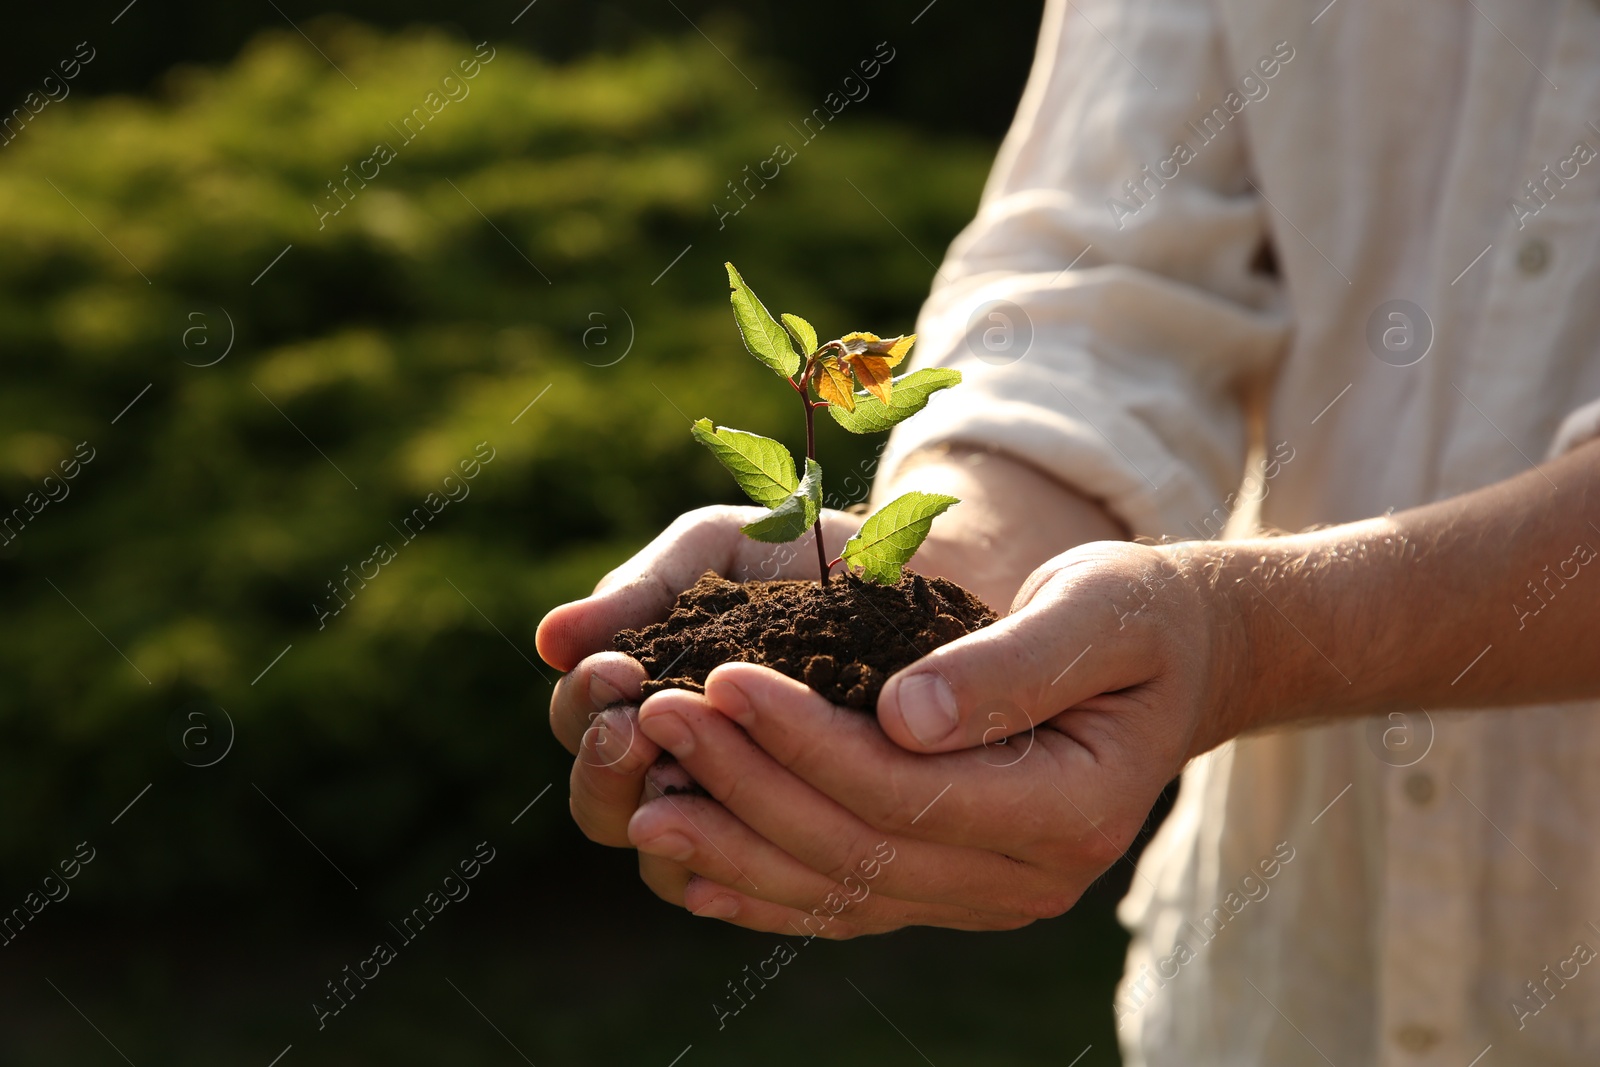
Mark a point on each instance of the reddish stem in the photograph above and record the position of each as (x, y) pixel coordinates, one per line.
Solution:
(811, 454)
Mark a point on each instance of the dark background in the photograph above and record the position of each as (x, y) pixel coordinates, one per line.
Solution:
(962, 72)
(145, 610)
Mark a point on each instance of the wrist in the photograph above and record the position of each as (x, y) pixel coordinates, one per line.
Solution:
(1222, 639)
(1264, 669)
(1295, 637)
(1012, 518)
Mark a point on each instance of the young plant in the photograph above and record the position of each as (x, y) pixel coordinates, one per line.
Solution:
(766, 471)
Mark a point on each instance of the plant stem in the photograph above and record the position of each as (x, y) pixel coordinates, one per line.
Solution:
(811, 454)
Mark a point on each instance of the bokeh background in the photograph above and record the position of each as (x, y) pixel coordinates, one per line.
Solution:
(266, 394)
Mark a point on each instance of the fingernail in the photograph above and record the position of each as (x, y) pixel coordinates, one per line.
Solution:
(670, 845)
(604, 746)
(928, 707)
(719, 908)
(602, 694)
(670, 732)
(733, 701)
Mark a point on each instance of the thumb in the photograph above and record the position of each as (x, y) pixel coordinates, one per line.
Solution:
(1065, 642)
(643, 589)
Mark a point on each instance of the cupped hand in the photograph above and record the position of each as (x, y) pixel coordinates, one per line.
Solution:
(594, 709)
(1004, 773)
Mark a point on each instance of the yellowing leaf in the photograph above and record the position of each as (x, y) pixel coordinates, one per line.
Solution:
(873, 374)
(891, 349)
(898, 348)
(834, 384)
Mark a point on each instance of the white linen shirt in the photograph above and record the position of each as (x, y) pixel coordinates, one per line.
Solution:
(1422, 891)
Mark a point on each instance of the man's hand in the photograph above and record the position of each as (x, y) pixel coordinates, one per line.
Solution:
(594, 710)
(1053, 732)
(1117, 664)
(1011, 519)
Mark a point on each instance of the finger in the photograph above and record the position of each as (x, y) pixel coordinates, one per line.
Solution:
(825, 834)
(668, 777)
(703, 836)
(664, 878)
(1068, 639)
(712, 901)
(708, 900)
(642, 590)
(593, 685)
(707, 839)
(981, 799)
(608, 775)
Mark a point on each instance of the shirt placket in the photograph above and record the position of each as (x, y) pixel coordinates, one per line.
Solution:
(1429, 934)
(1422, 984)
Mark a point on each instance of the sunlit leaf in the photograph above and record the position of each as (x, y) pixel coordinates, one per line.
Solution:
(891, 349)
(910, 395)
(762, 467)
(765, 339)
(873, 374)
(804, 334)
(892, 535)
(899, 348)
(834, 384)
(795, 515)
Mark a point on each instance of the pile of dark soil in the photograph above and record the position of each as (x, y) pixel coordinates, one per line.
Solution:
(844, 639)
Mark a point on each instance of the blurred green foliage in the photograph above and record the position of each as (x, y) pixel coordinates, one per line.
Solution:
(957, 72)
(467, 279)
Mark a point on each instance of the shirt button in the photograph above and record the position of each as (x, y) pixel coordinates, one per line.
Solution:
(1419, 787)
(1415, 1037)
(1534, 256)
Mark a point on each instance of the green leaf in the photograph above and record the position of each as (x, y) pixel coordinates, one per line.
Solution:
(893, 534)
(908, 395)
(802, 331)
(762, 467)
(794, 516)
(762, 335)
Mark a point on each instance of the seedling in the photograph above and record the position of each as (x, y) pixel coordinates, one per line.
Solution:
(766, 471)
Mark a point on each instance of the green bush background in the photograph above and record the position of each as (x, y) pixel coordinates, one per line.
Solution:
(406, 331)
(508, 253)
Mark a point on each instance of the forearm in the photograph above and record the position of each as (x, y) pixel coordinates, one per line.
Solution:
(1487, 599)
(1011, 519)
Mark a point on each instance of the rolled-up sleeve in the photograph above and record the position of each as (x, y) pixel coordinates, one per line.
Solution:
(1114, 299)
(1578, 428)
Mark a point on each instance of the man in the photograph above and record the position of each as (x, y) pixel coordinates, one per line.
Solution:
(1386, 220)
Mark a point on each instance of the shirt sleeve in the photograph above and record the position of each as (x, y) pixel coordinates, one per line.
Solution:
(1579, 428)
(1114, 297)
